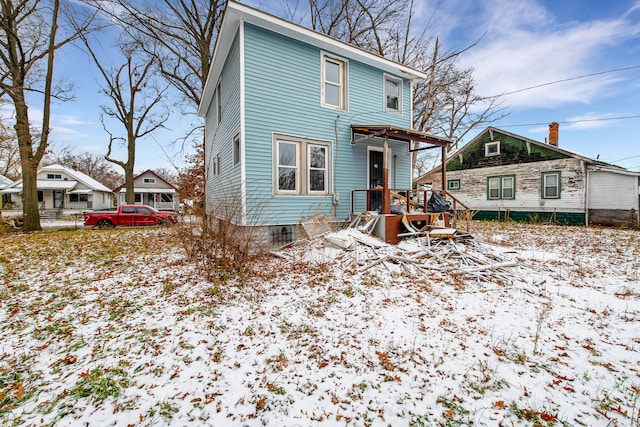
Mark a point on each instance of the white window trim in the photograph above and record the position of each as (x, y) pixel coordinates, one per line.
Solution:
(491, 144)
(343, 84)
(298, 167)
(218, 103)
(303, 175)
(384, 90)
(149, 180)
(215, 165)
(325, 169)
(502, 187)
(546, 175)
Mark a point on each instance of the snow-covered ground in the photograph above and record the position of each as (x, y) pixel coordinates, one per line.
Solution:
(117, 327)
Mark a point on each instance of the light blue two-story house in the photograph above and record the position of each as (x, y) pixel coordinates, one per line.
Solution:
(296, 121)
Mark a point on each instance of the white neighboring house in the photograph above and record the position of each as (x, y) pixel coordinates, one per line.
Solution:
(64, 191)
(152, 190)
(5, 198)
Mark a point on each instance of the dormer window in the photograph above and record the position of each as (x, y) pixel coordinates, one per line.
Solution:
(393, 94)
(492, 148)
(54, 176)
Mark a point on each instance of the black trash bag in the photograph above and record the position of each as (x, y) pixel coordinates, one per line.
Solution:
(437, 203)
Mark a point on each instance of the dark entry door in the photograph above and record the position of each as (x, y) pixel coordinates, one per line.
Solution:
(375, 179)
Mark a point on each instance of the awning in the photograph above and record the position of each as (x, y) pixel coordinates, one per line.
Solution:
(398, 133)
(13, 190)
(55, 185)
(81, 191)
(150, 190)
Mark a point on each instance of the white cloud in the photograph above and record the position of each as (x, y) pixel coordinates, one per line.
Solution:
(525, 46)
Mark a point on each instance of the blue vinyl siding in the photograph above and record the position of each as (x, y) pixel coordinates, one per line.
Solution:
(224, 189)
(282, 95)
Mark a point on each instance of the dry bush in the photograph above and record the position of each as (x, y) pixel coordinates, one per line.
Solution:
(218, 244)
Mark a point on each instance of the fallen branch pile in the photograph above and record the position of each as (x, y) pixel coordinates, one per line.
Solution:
(448, 252)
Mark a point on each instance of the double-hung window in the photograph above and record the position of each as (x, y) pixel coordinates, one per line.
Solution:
(288, 167)
(333, 83)
(317, 165)
(302, 166)
(501, 187)
(393, 94)
(551, 185)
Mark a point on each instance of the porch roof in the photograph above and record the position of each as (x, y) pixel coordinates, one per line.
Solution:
(150, 190)
(42, 184)
(395, 132)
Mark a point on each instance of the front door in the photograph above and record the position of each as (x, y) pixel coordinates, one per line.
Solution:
(58, 199)
(375, 179)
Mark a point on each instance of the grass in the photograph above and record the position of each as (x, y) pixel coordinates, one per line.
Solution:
(113, 323)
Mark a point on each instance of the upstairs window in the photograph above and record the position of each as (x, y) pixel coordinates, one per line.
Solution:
(393, 94)
(54, 176)
(551, 185)
(333, 83)
(149, 180)
(492, 149)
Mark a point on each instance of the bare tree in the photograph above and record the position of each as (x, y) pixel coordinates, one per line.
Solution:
(446, 102)
(135, 100)
(28, 46)
(97, 167)
(180, 35)
(9, 153)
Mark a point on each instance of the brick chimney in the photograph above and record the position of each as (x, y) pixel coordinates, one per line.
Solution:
(553, 133)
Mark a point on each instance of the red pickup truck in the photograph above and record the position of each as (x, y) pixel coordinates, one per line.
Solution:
(129, 215)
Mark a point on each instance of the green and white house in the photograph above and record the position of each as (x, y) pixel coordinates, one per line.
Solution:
(502, 175)
(284, 108)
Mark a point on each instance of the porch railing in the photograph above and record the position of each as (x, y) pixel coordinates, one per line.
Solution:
(416, 202)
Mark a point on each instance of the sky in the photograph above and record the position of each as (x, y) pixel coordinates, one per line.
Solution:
(583, 54)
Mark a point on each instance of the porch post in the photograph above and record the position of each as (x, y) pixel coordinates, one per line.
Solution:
(386, 194)
(444, 170)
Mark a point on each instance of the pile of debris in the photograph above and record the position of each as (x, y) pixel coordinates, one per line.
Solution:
(435, 249)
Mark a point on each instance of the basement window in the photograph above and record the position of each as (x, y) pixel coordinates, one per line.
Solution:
(492, 149)
(280, 235)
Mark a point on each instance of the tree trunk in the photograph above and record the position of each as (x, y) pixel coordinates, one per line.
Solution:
(30, 208)
(130, 197)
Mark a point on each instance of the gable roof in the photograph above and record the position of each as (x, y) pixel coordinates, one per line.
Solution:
(5, 182)
(82, 178)
(115, 190)
(470, 144)
(236, 13)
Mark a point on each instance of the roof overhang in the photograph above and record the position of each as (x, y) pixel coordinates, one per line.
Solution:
(150, 190)
(236, 13)
(81, 191)
(397, 133)
(12, 190)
